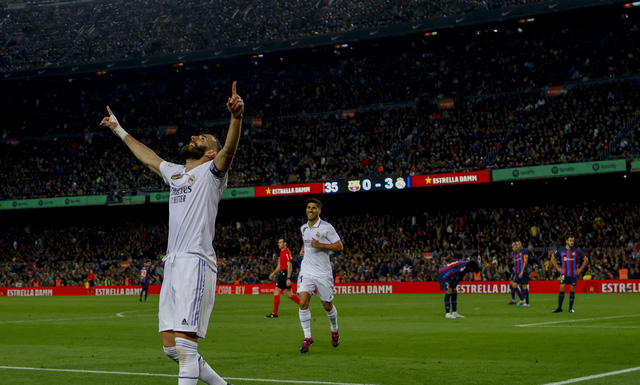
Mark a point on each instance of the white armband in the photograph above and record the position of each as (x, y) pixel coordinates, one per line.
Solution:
(118, 130)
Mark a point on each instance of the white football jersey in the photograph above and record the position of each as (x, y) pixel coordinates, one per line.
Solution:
(193, 207)
(316, 261)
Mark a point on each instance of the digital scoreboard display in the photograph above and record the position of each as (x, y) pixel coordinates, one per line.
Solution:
(367, 184)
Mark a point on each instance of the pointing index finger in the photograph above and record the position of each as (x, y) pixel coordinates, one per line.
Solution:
(233, 89)
(109, 111)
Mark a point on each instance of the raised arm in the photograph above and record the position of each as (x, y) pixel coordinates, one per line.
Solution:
(235, 105)
(142, 152)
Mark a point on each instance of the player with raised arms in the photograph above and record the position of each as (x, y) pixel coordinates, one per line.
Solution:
(190, 270)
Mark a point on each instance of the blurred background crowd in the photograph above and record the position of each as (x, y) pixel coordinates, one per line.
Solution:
(477, 98)
(396, 247)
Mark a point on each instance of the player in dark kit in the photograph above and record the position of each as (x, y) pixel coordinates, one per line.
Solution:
(283, 276)
(449, 276)
(521, 273)
(145, 276)
(569, 256)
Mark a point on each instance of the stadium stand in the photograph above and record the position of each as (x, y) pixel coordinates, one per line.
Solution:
(391, 247)
(119, 29)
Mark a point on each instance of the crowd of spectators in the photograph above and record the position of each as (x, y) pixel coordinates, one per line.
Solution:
(487, 133)
(395, 246)
(501, 116)
(42, 35)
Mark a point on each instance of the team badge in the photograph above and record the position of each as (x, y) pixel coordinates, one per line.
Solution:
(192, 178)
(317, 235)
(176, 176)
(354, 185)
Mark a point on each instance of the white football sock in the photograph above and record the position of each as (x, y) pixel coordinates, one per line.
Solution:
(207, 374)
(171, 352)
(188, 360)
(305, 322)
(333, 318)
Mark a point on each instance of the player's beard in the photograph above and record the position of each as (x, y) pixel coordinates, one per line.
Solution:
(189, 152)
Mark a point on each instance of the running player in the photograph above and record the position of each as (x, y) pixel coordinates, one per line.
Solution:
(190, 270)
(569, 256)
(320, 238)
(283, 276)
(449, 276)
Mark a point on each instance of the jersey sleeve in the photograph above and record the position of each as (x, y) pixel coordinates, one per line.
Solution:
(220, 177)
(168, 169)
(332, 235)
(214, 170)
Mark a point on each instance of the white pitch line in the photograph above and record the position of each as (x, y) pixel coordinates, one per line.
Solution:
(576, 320)
(173, 375)
(592, 327)
(75, 319)
(595, 376)
(122, 314)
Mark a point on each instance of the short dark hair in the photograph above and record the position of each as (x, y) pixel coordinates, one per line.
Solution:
(216, 143)
(473, 266)
(566, 237)
(316, 201)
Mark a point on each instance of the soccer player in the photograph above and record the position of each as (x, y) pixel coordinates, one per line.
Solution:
(514, 286)
(449, 276)
(521, 273)
(569, 256)
(320, 238)
(283, 272)
(145, 276)
(190, 270)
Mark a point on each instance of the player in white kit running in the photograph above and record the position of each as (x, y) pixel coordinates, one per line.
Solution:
(190, 270)
(316, 273)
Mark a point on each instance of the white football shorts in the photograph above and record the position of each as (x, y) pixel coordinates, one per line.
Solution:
(187, 295)
(323, 285)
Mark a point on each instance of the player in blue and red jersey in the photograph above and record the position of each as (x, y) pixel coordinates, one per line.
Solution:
(449, 276)
(569, 257)
(521, 273)
(513, 285)
(145, 276)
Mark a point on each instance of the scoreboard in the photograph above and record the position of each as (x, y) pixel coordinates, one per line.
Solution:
(367, 184)
(378, 183)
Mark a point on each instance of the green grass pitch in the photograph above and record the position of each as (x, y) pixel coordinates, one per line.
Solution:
(385, 339)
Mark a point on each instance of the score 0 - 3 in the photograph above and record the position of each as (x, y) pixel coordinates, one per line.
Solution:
(357, 185)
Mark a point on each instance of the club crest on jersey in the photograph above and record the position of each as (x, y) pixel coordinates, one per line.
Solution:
(192, 178)
(354, 185)
(176, 176)
(317, 235)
